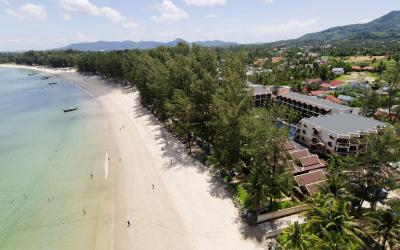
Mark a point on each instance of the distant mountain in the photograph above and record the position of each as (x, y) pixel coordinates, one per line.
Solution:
(386, 27)
(116, 45)
(215, 43)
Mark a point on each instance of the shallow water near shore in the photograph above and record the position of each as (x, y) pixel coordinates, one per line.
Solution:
(48, 199)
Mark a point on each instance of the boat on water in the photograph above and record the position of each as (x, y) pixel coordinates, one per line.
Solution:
(70, 109)
(52, 83)
(45, 77)
(32, 74)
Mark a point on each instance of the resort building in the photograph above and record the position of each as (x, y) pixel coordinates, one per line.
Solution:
(338, 71)
(308, 170)
(339, 133)
(311, 106)
(260, 94)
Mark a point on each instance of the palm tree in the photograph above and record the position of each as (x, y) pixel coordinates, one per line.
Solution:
(329, 220)
(385, 226)
(257, 188)
(295, 237)
(336, 182)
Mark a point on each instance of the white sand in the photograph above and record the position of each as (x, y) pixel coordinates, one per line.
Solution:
(187, 209)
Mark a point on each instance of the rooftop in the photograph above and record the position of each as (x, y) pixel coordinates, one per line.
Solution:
(316, 102)
(259, 89)
(308, 178)
(344, 123)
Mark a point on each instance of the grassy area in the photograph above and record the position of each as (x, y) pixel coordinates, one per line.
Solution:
(361, 59)
(359, 77)
(243, 198)
(283, 205)
(241, 194)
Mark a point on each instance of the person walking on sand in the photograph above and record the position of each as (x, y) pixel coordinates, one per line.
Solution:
(153, 185)
(91, 175)
(128, 223)
(84, 212)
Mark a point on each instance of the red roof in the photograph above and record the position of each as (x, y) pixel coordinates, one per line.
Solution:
(314, 188)
(336, 83)
(309, 178)
(317, 92)
(309, 160)
(315, 80)
(356, 68)
(297, 154)
(334, 99)
(325, 85)
(369, 68)
(311, 167)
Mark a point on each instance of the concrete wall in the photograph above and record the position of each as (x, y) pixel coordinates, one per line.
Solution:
(281, 213)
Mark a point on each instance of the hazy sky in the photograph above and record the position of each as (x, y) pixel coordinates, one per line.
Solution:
(44, 24)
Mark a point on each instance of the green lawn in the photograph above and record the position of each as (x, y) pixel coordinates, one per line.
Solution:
(241, 194)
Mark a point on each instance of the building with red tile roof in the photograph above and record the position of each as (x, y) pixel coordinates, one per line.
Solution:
(311, 182)
(332, 98)
(336, 83)
(317, 92)
(325, 86)
(304, 165)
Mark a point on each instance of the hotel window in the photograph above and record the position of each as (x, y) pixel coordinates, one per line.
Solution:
(304, 132)
(330, 144)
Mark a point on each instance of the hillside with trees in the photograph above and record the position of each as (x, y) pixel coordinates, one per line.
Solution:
(385, 27)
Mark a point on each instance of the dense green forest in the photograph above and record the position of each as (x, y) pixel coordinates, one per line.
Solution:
(201, 96)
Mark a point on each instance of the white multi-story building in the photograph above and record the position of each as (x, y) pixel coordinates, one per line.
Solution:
(336, 133)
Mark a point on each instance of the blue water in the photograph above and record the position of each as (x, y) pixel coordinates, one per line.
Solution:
(46, 158)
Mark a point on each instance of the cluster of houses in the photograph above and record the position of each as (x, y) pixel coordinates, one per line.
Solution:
(326, 128)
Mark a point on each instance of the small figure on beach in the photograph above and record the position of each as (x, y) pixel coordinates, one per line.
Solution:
(84, 212)
(123, 127)
(91, 175)
(26, 196)
(162, 148)
(153, 185)
(48, 199)
(128, 223)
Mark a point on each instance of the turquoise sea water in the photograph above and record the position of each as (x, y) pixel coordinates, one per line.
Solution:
(46, 159)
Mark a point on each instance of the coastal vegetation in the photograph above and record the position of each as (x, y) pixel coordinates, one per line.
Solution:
(200, 94)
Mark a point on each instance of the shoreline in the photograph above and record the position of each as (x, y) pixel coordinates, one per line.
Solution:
(187, 209)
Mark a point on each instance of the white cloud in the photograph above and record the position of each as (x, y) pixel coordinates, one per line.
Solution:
(269, 1)
(81, 6)
(5, 2)
(294, 27)
(30, 12)
(88, 8)
(169, 12)
(67, 17)
(205, 2)
(112, 14)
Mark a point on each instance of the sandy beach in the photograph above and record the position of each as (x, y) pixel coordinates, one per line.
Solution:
(186, 209)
